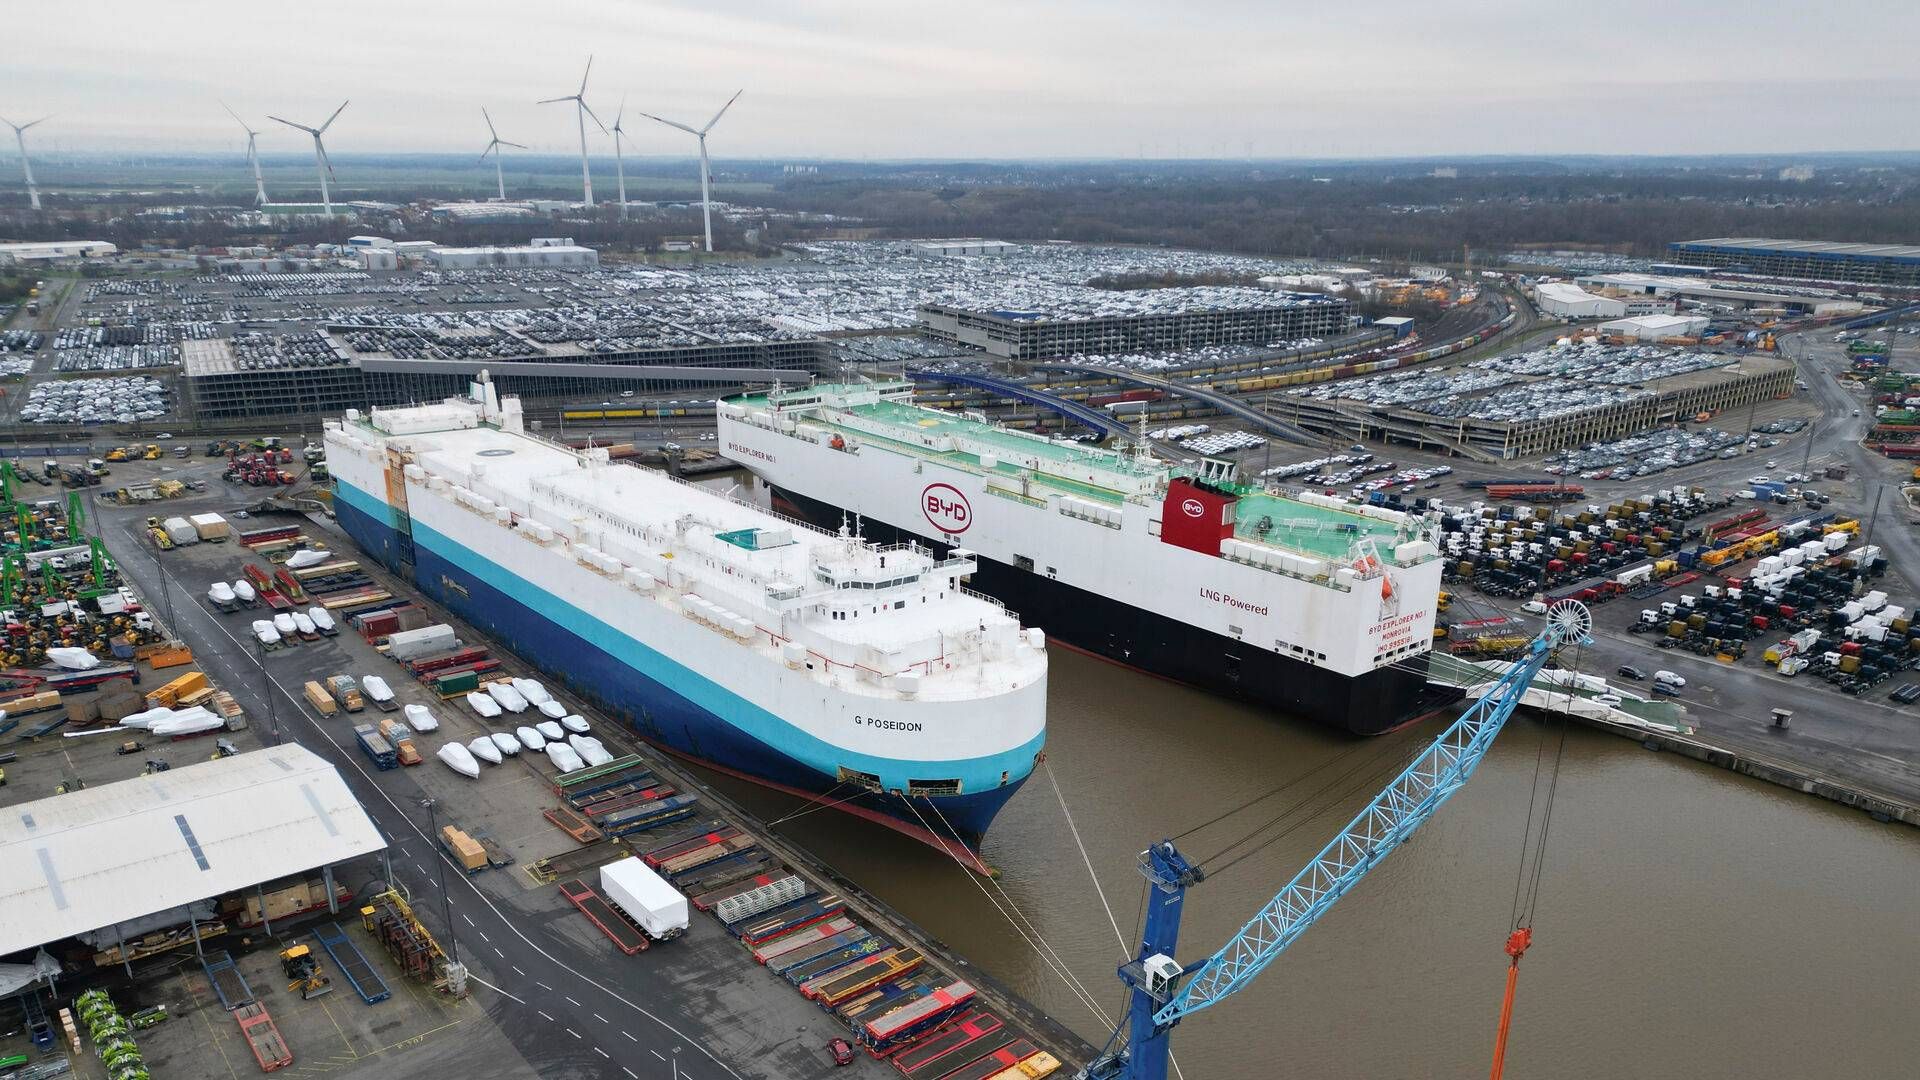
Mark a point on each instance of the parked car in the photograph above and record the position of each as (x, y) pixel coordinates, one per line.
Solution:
(841, 1050)
(1628, 671)
(1534, 607)
(1666, 688)
(1669, 678)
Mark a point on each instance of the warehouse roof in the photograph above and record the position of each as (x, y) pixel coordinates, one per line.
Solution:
(1807, 247)
(110, 854)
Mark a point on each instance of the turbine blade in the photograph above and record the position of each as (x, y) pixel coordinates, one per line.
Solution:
(37, 123)
(621, 114)
(552, 100)
(236, 117)
(670, 123)
(324, 158)
(490, 131)
(489, 149)
(596, 118)
(722, 112)
(515, 145)
(343, 108)
(291, 124)
(584, 74)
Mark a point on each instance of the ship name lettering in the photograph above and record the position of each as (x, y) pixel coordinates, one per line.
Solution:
(751, 452)
(887, 725)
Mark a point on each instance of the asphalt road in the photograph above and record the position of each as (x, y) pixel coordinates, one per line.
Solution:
(569, 1010)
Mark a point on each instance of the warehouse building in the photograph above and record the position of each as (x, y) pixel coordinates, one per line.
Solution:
(1564, 301)
(1079, 320)
(1656, 327)
(1616, 412)
(482, 212)
(137, 858)
(968, 246)
(1819, 260)
(451, 258)
(1742, 296)
(55, 251)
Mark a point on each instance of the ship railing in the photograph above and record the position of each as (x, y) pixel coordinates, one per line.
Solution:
(964, 591)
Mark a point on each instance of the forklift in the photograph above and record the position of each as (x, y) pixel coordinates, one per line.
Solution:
(303, 969)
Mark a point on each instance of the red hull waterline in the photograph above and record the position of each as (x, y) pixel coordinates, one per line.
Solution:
(961, 853)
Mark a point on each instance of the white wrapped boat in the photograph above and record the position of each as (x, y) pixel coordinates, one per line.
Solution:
(576, 723)
(459, 759)
(483, 705)
(420, 718)
(508, 745)
(529, 738)
(507, 697)
(484, 749)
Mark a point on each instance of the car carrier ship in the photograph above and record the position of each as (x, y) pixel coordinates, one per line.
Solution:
(818, 663)
(1301, 602)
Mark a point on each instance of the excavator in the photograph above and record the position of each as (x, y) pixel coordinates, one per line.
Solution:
(303, 971)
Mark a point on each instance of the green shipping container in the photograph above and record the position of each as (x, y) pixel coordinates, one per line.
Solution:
(460, 682)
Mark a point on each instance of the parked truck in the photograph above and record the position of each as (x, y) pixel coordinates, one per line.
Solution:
(376, 748)
(401, 740)
(654, 906)
(321, 701)
(181, 531)
(346, 692)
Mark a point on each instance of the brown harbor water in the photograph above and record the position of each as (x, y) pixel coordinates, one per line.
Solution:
(1691, 922)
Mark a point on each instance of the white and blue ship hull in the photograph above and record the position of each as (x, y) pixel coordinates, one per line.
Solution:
(712, 719)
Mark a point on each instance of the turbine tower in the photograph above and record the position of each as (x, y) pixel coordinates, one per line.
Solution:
(253, 158)
(579, 98)
(20, 137)
(499, 177)
(619, 164)
(320, 163)
(706, 189)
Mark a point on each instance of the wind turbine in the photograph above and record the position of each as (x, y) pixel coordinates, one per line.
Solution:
(20, 136)
(706, 196)
(619, 164)
(253, 157)
(493, 148)
(320, 163)
(580, 98)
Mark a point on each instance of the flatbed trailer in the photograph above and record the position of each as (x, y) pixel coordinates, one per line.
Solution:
(801, 937)
(263, 1036)
(578, 861)
(718, 852)
(871, 971)
(749, 880)
(788, 919)
(572, 824)
(964, 1039)
(620, 930)
(685, 830)
(649, 815)
(347, 957)
(855, 1011)
(996, 1062)
(598, 778)
(228, 984)
(693, 841)
(801, 974)
(888, 1031)
(599, 809)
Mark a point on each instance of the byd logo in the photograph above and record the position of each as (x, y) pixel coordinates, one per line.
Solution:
(946, 508)
(1192, 508)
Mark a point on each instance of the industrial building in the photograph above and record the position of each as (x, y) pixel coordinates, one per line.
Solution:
(55, 251)
(452, 258)
(482, 212)
(1561, 300)
(1079, 320)
(1656, 327)
(215, 385)
(1742, 296)
(118, 861)
(1820, 260)
(1492, 416)
(968, 246)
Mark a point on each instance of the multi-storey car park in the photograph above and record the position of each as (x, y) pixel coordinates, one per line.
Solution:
(1531, 403)
(1821, 260)
(1019, 326)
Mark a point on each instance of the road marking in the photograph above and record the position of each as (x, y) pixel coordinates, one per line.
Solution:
(469, 919)
(570, 1001)
(603, 1053)
(630, 1072)
(491, 987)
(600, 1018)
(404, 851)
(542, 1012)
(483, 935)
(542, 985)
(169, 580)
(656, 1053)
(629, 1036)
(422, 869)
(498, 953)
(518, 972)
(573, 1033)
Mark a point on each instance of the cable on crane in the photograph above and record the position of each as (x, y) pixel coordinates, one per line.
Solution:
(1533, 857)
(1271, 792)
(1367, 768)
(1095, 878)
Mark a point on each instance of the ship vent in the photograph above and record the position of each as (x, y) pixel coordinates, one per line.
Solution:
(859, 779)
(933, 789)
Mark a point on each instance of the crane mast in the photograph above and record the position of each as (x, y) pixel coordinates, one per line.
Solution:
(1160, 999)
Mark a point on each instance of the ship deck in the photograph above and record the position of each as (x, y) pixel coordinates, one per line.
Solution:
(1297, 526)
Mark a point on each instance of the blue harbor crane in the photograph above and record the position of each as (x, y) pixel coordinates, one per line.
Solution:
(1164, 992)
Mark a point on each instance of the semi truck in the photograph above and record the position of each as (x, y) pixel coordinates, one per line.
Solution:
(379, 750)
(654, 906)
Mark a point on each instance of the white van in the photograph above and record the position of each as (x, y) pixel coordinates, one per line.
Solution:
(1669, 678)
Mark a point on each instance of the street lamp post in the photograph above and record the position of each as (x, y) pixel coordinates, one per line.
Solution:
(446, 901)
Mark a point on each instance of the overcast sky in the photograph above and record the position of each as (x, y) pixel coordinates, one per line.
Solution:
(983, 78)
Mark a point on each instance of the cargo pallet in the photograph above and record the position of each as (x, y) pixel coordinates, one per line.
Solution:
(620, 930)
(572, 824)
(263, 1036)
(228, 984)
(353, 964)
(576, 862)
